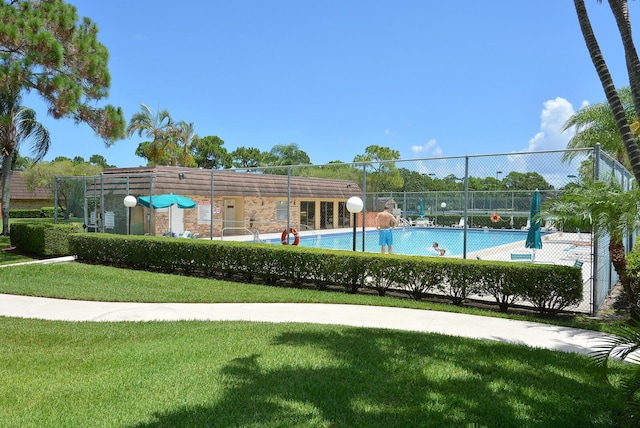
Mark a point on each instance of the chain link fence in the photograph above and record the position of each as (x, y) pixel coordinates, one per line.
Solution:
(473, 206)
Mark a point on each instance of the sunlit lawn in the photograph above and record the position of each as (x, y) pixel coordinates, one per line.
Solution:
(224, 374)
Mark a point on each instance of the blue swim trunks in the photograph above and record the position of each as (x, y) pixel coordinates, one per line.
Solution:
(386, 237)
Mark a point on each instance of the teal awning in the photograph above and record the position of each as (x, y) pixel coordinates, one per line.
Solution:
(165, 201)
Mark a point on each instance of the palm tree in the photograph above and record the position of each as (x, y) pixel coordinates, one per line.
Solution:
(595, 124)
(157, 126)
(185, 138)
(610, 210)
(17, 124)
(620, 9)
(628, 140)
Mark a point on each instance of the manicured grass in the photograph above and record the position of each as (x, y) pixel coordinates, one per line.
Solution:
(80, 281)
(195, 374)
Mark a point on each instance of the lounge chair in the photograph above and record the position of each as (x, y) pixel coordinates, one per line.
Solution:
(460, 223)
(423, 222)
(522, 257)
(528, 226)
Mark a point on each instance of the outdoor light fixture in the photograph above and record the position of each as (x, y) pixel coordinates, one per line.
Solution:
(443, 205)
(181, 176)
(129, 202)
(354, 206)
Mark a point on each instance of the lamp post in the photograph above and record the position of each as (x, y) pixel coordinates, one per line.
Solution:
(443, 206)
(129, 202)
(354, 206)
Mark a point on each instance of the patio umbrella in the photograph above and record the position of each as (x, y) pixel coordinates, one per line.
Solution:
(421, 208)
(166, 200)
(533, 235)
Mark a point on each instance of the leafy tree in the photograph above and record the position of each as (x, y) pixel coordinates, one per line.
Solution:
(145, 147)
(286, 154)
(413, 181)
(334, 170)
(17, 124)
(100, 161)
(384, 175)
(209, 153)
(158, 126)
(70, 193)
(246, 157)
(525, 181)
(45, 48)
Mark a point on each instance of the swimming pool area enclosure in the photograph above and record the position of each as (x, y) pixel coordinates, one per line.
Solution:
(466, 192)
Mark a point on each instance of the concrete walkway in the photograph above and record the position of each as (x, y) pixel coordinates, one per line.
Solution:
(472, 326)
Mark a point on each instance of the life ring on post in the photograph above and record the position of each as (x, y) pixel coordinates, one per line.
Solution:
(495, 217)
(294, 232)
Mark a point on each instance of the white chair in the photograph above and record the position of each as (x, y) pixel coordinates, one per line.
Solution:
(460, 223)
(423, 222)
(185, 234)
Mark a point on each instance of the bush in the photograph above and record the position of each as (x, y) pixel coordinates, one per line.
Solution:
(48, 212)
(43, 239)
(25, 213)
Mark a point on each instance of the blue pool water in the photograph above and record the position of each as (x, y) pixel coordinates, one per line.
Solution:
(417, 241)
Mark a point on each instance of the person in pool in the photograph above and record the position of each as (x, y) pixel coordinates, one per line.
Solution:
(438, 249)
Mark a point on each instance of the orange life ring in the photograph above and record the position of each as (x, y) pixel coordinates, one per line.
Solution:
(495, 217)
(285, 241)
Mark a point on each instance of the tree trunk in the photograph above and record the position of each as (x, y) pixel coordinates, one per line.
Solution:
(5, 185)
(620, 11)
(629, 141)
(619, 261)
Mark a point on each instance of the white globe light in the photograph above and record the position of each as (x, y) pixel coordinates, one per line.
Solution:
(443, 205)
(354, 204)
(130, 201)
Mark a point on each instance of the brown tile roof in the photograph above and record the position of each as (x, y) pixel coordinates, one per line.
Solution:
(164, 179)
(20, 191)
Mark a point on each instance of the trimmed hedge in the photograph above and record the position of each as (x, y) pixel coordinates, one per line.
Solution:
(44, 212)
(549, 288)
(43, 239)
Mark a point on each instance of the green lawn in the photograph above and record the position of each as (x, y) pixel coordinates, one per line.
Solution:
(167, 374)
(223, 374)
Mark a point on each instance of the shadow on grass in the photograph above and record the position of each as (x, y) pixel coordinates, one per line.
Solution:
(373, 378)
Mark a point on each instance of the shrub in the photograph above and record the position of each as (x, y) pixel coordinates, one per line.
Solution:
(43, 239)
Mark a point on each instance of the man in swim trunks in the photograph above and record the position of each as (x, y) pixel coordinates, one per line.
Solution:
(385, 222)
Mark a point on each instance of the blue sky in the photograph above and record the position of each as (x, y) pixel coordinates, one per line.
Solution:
(426, 78)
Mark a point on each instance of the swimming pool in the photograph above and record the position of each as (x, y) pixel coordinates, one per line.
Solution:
(417, 241)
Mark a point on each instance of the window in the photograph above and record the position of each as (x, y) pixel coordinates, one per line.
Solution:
(308, 213)
(282, 210)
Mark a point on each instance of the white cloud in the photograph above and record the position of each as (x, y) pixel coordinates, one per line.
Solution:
(552, 119)
(429, 148)
(387, 131)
